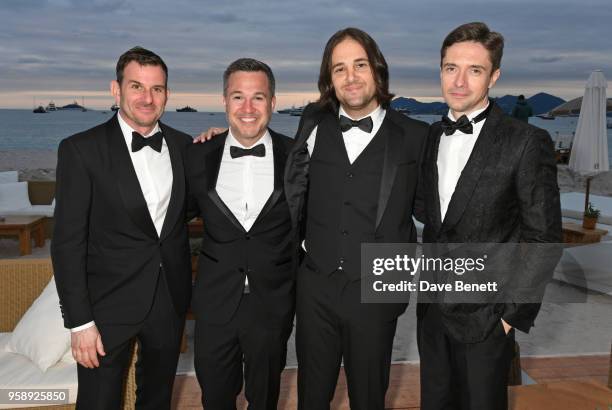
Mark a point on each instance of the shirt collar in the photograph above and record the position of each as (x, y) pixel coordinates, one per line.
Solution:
(378, 114)
(471, 115)
(265, 139)
(127, 130)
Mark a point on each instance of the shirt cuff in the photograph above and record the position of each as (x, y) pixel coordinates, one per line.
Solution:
(82, 327)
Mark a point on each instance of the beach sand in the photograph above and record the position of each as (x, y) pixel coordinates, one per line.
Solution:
(33, 165)
(38, 165)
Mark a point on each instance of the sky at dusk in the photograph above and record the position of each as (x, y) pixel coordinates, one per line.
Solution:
(63, 50)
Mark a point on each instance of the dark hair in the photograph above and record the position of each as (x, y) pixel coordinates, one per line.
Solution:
(380, 70)
(252, 65)
(521, 97)
(143, 57)
(479, 33)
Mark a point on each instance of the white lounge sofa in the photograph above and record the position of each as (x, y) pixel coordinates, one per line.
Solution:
(15, 200)
(22, 282)
(572, 206)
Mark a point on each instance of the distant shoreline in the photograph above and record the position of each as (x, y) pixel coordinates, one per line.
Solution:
(39, 165)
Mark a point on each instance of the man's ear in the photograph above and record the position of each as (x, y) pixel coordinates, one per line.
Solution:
(494, 77)
(115, 90)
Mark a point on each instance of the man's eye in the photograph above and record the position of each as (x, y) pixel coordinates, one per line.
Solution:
(338, 70)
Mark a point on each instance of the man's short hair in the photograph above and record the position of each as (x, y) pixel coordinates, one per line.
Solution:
(479, 33)
(378, 64)
(143, 57)
(250, 65)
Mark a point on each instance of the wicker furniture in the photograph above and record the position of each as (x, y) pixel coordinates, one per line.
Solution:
(21, 282)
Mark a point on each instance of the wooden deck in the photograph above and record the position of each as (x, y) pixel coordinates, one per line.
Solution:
(404, 385)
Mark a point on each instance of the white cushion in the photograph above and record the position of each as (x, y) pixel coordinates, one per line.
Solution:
(18, 373)
(14, 195)
(40, 210)
(8, 176)
(40, 334)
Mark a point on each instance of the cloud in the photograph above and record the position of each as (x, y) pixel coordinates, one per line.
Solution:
(75, 44)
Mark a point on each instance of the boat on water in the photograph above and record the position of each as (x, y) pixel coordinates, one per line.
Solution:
(114, 107)
(39, 110)
(546, 116)
(285, 110)
(186, 109)
(51, 106)
(294, 111)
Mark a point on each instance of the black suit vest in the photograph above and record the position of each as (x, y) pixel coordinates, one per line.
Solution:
(342, 199)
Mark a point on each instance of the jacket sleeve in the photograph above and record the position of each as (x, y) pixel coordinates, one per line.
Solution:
(540, 216)
(70, 235)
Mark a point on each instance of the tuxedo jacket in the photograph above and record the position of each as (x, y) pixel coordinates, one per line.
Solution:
(507, 192)
(229, 254)
(107, 255)
(404, 143)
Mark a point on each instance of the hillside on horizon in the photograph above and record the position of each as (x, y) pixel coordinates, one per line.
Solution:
(540, 102)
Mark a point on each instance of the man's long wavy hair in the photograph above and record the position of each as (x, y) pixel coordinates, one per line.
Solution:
(378, 64)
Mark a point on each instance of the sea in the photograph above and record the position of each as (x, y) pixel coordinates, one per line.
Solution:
(24, 130)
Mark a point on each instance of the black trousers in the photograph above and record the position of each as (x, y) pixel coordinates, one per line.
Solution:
(466, 376)
(332, 324)
(222, 350)
(159, 336)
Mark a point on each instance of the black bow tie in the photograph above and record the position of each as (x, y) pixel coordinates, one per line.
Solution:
(364, 124)
(154, 141)
(258, 150)
(463, 124)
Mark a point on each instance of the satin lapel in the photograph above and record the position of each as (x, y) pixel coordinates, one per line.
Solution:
(126, 179)
(177, 196)
(393, 144)
(479, 159)
(213, 163)
(436, 213)
(280, 158)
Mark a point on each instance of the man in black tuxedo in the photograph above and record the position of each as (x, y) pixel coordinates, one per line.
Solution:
(355, 185)
(120, 248)
(244, 291)
(486, 178)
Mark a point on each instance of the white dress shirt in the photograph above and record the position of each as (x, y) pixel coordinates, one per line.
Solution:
(245, 183)
(355, 139)
(453, 154)
(154, 173)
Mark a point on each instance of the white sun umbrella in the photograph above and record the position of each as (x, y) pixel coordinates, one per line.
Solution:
(589, 154)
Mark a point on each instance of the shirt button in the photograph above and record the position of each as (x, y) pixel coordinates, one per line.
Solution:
(349, 174)
(341, 261)
(247, 237)
(345, 232)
